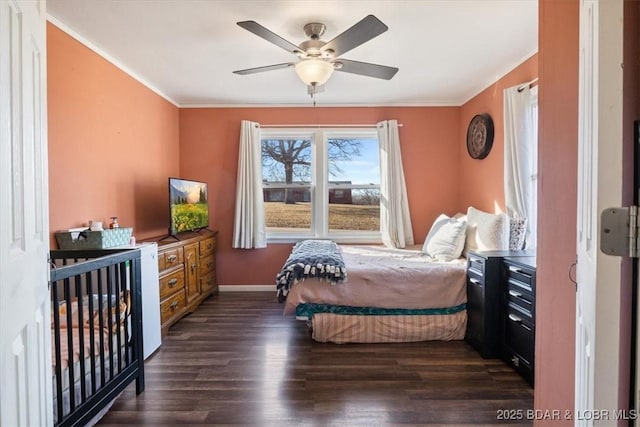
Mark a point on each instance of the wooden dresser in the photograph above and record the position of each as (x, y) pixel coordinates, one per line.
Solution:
(187, 270)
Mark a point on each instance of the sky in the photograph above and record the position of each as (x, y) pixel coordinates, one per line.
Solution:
(361, 169)
(364, 169)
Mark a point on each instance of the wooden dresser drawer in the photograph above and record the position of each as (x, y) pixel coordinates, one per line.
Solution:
(208, 282)
(171, 283)
(173, 306)
(207, 264)
(207, 246)
(170, 258)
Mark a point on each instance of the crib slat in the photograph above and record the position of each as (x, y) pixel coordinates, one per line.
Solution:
(120, 281)
(70, 367)
(81, 339)
(110, 288)
(56, 340)
(92, 335)
(101, 324)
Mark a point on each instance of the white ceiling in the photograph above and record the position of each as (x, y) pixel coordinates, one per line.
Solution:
(447, 50)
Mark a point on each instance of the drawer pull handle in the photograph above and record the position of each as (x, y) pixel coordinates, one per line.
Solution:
(515, 294)
(514, 318)
(193, 268)
(514, 269)
(172, 258)
(174, 305)
(209, 246)
(474, 281)
(209, 264)
(172, 282)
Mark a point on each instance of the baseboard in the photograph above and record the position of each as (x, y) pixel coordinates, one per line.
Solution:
(247, 288)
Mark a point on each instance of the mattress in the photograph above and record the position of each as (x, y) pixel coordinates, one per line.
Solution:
(387, 278)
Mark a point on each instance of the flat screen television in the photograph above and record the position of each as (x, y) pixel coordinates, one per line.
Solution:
(189, 206)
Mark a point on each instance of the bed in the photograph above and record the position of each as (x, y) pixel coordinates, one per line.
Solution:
(377, 294)
(95, 331)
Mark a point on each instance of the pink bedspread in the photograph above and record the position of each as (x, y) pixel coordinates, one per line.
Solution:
(387, 278)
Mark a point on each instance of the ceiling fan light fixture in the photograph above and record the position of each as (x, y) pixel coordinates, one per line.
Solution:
(314, 71)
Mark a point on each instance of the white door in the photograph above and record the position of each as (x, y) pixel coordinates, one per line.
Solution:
(25, 336)
(599, 187)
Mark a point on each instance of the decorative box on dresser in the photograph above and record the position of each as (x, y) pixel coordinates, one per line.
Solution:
(187, 270)
(519, 279)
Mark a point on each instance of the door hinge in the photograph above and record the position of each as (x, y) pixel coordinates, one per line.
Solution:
(619, 231)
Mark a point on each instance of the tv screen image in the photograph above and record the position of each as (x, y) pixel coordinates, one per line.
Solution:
(189, 205)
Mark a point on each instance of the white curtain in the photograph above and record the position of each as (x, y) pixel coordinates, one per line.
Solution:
(520, 145)
(249, 225)
(395, 221)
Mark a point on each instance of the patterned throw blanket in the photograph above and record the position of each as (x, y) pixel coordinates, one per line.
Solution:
(311, 258)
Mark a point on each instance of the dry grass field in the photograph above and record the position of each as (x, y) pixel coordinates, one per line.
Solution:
(341, 217)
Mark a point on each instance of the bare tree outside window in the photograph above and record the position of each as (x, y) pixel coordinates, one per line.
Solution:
(286, 159)
(343, 197)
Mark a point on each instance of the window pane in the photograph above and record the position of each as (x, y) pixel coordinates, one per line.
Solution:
(286, 160)
(354, 160)
(280, 216)
(286, 177)
(354, 209)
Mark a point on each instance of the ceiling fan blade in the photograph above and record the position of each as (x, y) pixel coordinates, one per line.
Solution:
(265, 68)
(269, 36)
(365, 69)
(363, 31)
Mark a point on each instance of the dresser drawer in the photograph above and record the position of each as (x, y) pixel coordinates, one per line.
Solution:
(207, 264)
(171, 283)
(208, 282)
(519, 335)
(522, 301)
(207, 246)
(475, 264)
(170, 258)
(173, 306)
(474, 278)
(520, 277)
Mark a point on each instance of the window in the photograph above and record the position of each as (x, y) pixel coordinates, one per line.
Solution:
(321, 183)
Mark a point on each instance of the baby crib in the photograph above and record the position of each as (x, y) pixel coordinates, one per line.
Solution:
(96, 330)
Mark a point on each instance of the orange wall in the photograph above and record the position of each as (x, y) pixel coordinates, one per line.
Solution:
(112, 142)
(557, 199)
(209, 152)
(483, 180)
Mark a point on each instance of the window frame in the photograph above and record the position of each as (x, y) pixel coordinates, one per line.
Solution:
(320, 186)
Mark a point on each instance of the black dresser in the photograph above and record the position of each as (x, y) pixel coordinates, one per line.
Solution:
(501, 307)
(518, 314)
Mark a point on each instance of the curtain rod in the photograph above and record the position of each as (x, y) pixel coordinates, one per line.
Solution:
(323, 126)
(531, 84)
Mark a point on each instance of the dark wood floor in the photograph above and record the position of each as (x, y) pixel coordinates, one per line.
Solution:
(237, 360)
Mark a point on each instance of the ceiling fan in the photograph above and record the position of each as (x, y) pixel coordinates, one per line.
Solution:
(318, 59)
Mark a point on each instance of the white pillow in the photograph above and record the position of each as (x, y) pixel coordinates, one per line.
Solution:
(445, 240)
(486, 231)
